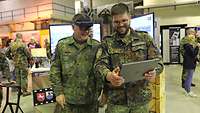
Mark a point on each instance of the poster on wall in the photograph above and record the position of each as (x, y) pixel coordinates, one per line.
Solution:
(44, 35)
(174, 42)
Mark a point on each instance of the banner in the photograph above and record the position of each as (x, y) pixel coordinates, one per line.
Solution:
(174, 42)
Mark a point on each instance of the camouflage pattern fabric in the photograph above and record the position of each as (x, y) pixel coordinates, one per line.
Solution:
(4, 66)
(20, 54)
(72, 73)
(21, 77)
(5, 72)
(125, 109)
(70, 108)
(135, 46)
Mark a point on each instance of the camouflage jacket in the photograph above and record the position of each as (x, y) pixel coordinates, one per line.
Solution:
(19, 53)
(135, 46)
(4, 66)
(71, 71)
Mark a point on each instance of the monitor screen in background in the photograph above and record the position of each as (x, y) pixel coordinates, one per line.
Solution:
(58, 32)
(144, 23)
(96, 32)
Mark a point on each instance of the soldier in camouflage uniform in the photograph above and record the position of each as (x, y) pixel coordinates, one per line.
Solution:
(185, 40)
(71, 74)
(47, 46)
(4, 66)
(4, 71)
(124, 46)
(20, 54)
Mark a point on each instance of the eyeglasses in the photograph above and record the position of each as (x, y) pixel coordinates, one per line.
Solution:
(124, 21)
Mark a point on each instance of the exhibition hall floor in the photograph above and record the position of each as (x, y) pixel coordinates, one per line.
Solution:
(176, 101)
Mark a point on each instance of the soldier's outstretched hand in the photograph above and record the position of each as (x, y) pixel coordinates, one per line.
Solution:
(60, 99)
(114, 77)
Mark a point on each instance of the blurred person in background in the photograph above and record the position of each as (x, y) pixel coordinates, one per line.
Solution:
(20, 54)
(190, 32)
(4, 69)
(190, 52)
(4, 65)
(33, 43)
(47, 46)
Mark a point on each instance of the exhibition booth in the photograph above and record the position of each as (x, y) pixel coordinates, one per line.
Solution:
(166, 24)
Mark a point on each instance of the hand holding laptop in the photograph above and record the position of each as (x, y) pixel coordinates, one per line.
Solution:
(150, 75)
(114, 77)
(139, 70)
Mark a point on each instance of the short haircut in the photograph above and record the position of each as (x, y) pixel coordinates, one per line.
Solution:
(190, 31)
(19, 36)
(119, 8)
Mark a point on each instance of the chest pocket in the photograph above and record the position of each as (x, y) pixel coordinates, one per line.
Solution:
(139, 51)
(116, 55)
(67, 61)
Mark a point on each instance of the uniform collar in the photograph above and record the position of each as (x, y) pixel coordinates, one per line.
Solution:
(127, 38)
(73, 42)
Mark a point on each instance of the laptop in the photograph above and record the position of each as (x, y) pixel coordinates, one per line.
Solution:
(134, 71)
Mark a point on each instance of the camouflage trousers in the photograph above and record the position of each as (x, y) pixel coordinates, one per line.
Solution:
(126, 109)
(69, 108)
(21, 77)
(5, 71)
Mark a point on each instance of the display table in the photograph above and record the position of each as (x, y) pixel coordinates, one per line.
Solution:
(39, 70)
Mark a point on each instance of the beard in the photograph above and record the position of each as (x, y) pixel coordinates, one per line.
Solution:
(81, 39)
(122, 31)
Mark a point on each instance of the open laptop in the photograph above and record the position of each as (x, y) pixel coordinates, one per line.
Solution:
(134, 71)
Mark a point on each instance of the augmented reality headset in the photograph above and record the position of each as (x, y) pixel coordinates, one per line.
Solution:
(84, 24)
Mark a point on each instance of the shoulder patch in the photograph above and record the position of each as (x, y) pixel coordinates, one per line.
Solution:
(68, 40)
(107, 37)
(140, 31)
(95, 42)
(99, 53)
(62, 39)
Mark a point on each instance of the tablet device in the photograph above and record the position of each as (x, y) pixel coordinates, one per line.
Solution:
(134, 71)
